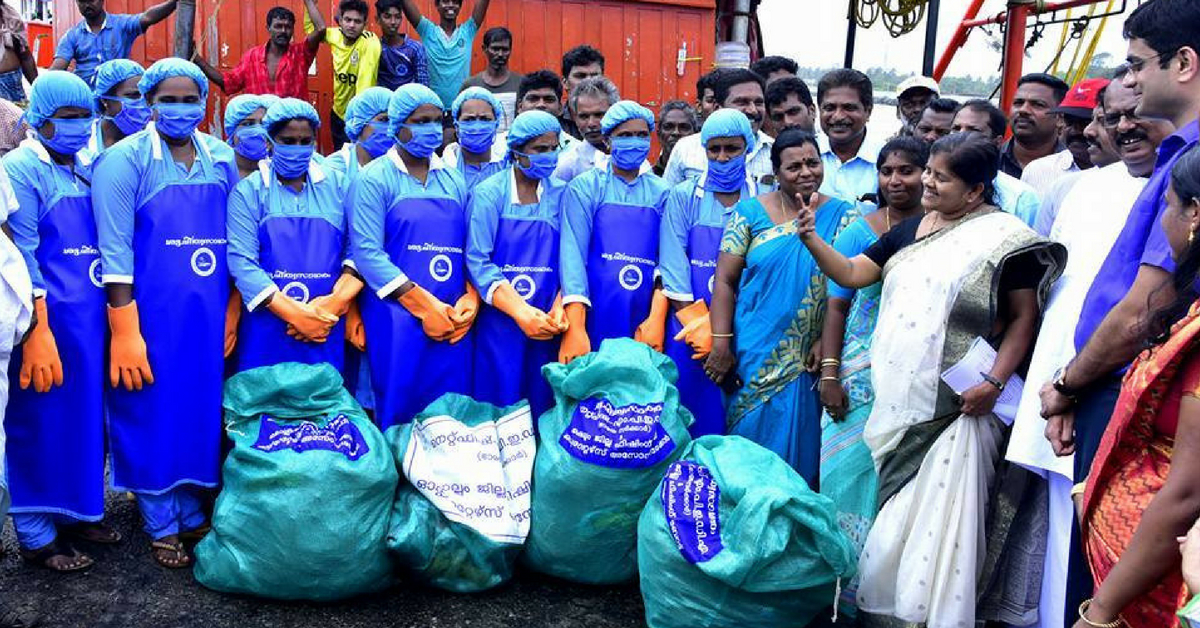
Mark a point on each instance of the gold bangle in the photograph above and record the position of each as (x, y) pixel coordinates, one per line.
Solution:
(1079, 489)
(831, 362)
(830, 379)
(1083, 609)
(716, 335)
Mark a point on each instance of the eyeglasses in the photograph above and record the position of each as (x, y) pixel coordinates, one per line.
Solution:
(1112, 120)
(1137, 65)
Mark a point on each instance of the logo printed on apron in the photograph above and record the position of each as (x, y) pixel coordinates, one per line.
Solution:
(440, 267)
(204, 262)
(630, 277)
(296, 291)
(524, 285)
(94, 273)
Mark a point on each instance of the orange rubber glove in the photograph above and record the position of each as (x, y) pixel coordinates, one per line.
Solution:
(533, 322)
(128, 362)
(306, 322)
(40, 363)
(356, 332)
(233, 314)
(653, 330)
(466, 308)
(435, 316)
(559, 316)
(575, 340)
(697, 329)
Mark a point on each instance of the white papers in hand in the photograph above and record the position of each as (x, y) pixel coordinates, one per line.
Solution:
(967, 373)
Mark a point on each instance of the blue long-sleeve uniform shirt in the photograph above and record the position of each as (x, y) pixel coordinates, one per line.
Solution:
(493, 200)
(38, 185)
(688, 205)
(585, 195)
(381, 184)
(261, 197)
(130, 173)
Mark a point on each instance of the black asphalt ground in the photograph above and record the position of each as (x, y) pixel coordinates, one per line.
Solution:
(126, 589)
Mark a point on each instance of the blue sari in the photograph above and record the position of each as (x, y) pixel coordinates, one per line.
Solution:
(777, 319)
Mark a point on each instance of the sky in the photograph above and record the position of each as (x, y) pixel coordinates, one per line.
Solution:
(875, 47)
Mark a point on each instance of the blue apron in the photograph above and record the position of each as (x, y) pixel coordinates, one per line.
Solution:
(169, 433)
(304, 256)
(508, 363)
(408, 369)
(56, 439)
(697, 392)
(622, 257)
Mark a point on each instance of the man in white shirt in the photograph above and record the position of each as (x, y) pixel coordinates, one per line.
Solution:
(1074, 114)
(845, 99)
(588, 103)
(734, 88)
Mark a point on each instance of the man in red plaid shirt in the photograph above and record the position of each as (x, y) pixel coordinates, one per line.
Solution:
(277, 67)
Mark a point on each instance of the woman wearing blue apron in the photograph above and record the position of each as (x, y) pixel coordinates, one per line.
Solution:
(512, 255)
(689, 242)
(55, 416)
(244, 131)
(367, 128)
(119, 102)
(408, 235)
(610, 241)
(159, 199)
(287, 248)
(476, 154)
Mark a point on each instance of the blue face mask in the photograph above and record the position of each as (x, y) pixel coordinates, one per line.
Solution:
(291, 160)
(251, 142)
(70, 135)
(628, 153)
(426, 138)
(132, 117)
(541, 165)
(178, 120)
(379, 142)
(476, 136)
(728, 176)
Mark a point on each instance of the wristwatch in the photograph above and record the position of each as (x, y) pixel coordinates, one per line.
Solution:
(1060, 384)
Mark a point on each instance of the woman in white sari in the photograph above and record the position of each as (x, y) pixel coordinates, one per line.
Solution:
(963, 271)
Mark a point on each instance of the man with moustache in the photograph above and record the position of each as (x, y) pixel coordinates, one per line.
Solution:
(676, 120)
(1075, 114)
(1034, 125)
(734, 88)
(589, 101)
(844, 102)
(790, 105)
(497, 78)
(936, 120)
(1012, 196)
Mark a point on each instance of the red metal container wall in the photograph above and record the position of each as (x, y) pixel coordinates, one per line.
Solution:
(640, 39)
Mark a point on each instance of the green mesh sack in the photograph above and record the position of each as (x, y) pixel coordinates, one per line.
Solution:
(461, 519)
(308, 490)
(734, 538)
(616, 426)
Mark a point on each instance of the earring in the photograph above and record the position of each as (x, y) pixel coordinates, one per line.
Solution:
(1191, 237)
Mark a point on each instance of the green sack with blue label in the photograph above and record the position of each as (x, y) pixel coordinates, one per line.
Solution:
(615, 427)
(734, 538)
(461, 519)
(307, 493)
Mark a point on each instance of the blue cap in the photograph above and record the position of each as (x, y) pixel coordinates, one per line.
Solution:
(290, 109)
(531, 124)
(370, 103)
(54, 89)
(477, 93)
(111, 73)
(727, 122)
(623, 112)
(171, 67)
(242, 106)
(405, 100)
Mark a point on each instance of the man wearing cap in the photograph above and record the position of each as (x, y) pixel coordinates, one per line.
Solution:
(912, 96)
(1074, 114)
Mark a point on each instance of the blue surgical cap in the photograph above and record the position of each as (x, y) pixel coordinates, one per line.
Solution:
(727, 122)
(53, 89)
(171, 67)
(242, 106)
(110, 73)
(477, 93)
(370, 103)
(290, 109)
(623, 112)
(531, 124)
(405, 100)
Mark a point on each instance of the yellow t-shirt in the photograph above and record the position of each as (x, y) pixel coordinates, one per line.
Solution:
(354, 67)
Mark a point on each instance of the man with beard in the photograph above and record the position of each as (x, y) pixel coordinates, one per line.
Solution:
(448, 44)
(1075, 114)
(277, 67)
(497, 78)
(676, 120)
(844, 100)
(103, 36)
(734, 88)
(790, 105)
(589, 101)
(1034, 125)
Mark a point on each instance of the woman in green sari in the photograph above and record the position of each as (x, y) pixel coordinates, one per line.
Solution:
(767, 308)
(847, 472)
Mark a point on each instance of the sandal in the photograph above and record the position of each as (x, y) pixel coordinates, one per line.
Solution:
(57, 557)
(195, 535)
(170, 554)
(96, 532)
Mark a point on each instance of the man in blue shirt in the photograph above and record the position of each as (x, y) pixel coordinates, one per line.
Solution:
(403, 60)
(844, 102)
(448, 44)
(1164, 49)
(103, 36)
